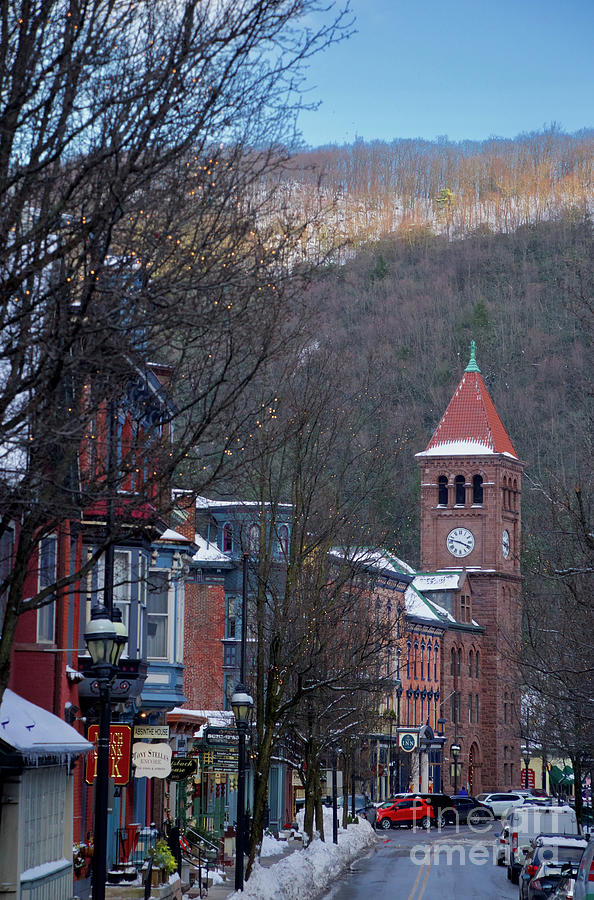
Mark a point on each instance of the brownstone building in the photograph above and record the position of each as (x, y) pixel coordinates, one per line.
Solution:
(471, 485)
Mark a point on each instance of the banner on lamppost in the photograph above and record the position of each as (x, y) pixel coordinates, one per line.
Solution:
(120, 738)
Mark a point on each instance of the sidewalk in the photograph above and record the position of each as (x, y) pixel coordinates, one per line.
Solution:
(224, 890)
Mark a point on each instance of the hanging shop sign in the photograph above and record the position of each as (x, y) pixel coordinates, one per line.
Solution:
(120, 739)
(408, 740)
(151, 760)
(151, 732)
(182, 767)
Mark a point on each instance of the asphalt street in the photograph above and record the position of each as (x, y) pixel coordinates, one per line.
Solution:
(451, 864)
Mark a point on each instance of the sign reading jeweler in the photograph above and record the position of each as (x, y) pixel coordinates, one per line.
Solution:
(408, 740)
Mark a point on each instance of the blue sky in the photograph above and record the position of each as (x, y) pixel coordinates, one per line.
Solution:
(461, 68)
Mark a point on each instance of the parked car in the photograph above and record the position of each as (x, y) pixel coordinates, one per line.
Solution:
(526, 823)
(584, 882)
(502, 845)
(466, 810)
(363, 807)
(500, 803)
(407, 811)
(547, 864)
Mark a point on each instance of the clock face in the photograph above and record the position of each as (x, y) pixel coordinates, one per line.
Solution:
(460, 542)
(505, 543)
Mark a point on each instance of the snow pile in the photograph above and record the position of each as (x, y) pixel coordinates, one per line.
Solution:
(307, 873)
(273, 847)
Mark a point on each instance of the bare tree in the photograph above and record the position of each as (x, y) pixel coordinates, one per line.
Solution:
(138, 142)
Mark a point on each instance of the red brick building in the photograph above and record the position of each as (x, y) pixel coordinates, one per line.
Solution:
(471, 486)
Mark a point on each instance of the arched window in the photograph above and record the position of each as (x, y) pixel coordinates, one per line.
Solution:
(283, 539)
(477, 665)
(435, 662)
(422, 661)
(470, 664)
(505, 499)
(442, 490)
(408, 659)
(253, 538)
(477, 490)
(460, 483)
(452, 661)
(415, 663)
(459, 662)
(514, 502)
(429, 661)
(227, 538)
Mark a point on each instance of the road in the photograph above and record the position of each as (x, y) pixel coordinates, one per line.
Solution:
(451, 864)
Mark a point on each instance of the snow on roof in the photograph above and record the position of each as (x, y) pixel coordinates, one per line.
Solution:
(174, 537)
(208, 552)
(378, 558)
(205, 503)
(35, 732)
(418, 605)
(470, 424)
(437, 581)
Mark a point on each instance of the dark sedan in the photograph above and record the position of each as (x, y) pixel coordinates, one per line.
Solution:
(466, 811)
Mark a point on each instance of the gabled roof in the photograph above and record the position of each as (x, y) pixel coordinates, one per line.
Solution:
(470, 425)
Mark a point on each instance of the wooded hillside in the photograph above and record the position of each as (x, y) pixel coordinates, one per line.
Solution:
(405, 309)
(381, 188)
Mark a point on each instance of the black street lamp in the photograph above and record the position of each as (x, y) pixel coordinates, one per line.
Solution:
(527, 763)
(242, 705)
(455, 751)
(398, 699)
(105, 638)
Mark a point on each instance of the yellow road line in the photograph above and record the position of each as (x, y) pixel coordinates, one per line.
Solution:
(426, 868)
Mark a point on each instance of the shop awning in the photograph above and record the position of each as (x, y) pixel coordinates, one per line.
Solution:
(36, 733)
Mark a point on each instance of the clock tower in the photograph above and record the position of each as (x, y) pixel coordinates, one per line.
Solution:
(471, 487)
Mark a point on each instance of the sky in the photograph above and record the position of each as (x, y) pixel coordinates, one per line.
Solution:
(468, 69)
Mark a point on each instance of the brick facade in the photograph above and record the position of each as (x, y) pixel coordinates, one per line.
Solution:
(490, 748)
(204, 625)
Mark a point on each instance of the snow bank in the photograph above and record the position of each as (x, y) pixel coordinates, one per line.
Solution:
(306, 873)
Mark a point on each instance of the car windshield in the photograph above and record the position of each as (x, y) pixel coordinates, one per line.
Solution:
(388, 805)
(482, 796)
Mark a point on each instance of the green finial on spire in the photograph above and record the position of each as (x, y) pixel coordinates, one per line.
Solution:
(472, 366)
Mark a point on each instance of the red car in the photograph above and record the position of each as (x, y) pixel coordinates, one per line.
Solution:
(413, 811)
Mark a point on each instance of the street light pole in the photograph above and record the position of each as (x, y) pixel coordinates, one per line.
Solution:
(455, 750)
(105, 638)
(527, 762)
(242, 705)
(398, 699)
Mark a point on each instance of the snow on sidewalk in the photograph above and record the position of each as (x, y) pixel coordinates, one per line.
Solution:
(306, 874)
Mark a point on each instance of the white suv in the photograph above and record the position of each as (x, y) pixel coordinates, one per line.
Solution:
(500, 804)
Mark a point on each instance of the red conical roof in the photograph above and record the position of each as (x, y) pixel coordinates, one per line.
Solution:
(470, 424)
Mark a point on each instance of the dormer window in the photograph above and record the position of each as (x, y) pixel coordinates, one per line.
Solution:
(460, 483)
(442, 490)
(477, 490)
(283, 539)
(227, 538)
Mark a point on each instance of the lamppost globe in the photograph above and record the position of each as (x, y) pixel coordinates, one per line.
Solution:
(102, 638)
(242, 704)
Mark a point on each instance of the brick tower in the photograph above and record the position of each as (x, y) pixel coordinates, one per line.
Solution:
(471, 486)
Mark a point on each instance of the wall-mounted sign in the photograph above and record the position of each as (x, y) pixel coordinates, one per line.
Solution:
(408, 740)
(151, 731)
(120, 738)
(182, 767)
(151, 760)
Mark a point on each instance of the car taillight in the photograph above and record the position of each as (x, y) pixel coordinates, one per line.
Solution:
(514, 841)
(537, 884)
(532, 870)
(591, 874)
